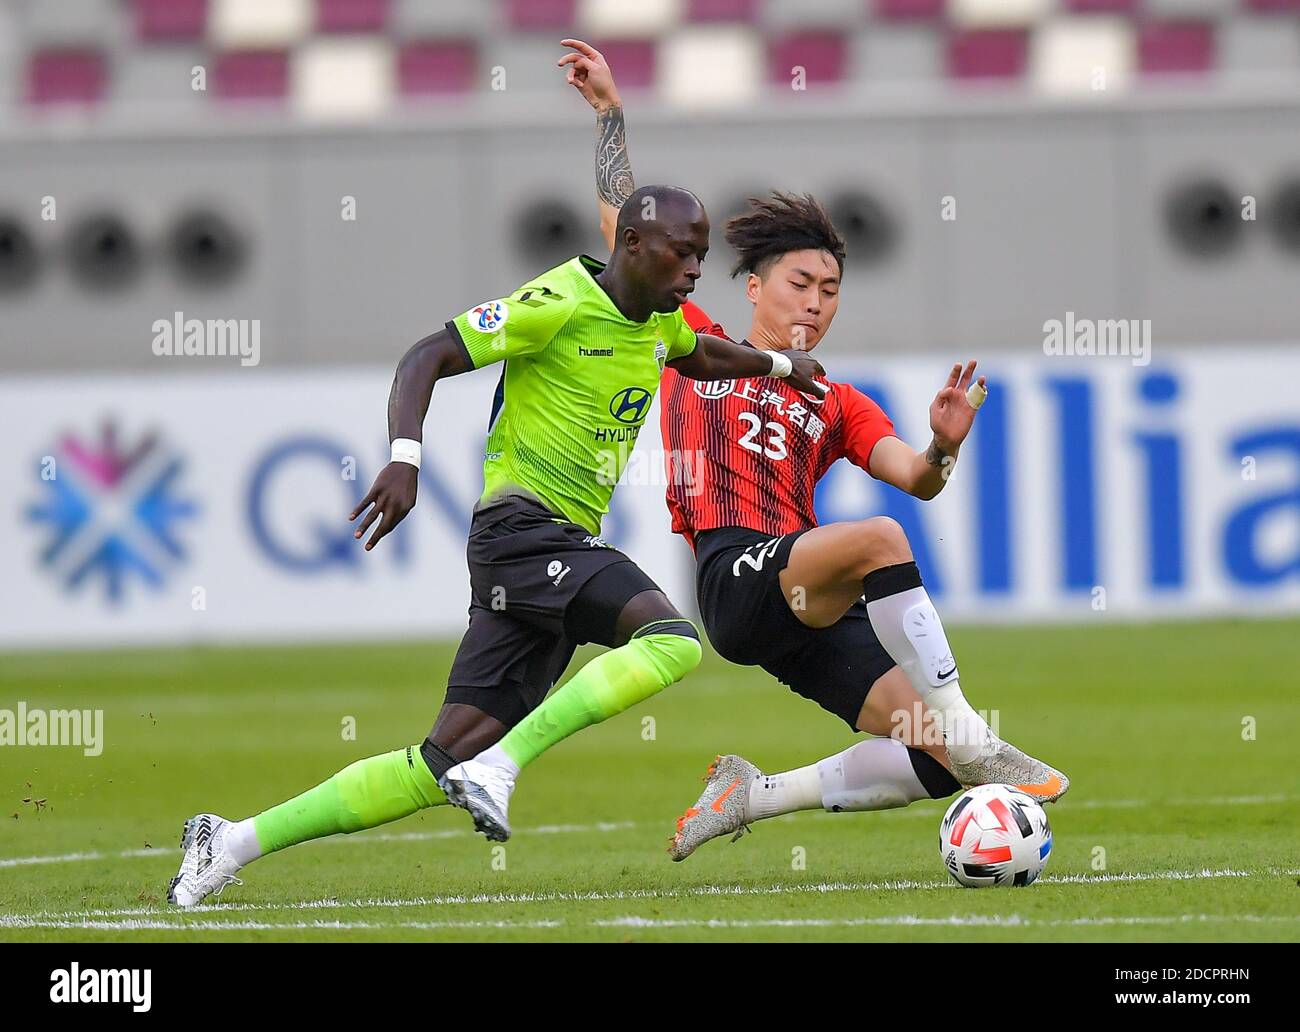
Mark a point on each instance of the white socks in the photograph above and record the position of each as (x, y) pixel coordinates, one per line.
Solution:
(771, 795)
(910, 630)
(875, 774)
(495, 756)
(241, 842)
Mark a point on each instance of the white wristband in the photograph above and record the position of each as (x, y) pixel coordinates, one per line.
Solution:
(406, 450)
(781, 365)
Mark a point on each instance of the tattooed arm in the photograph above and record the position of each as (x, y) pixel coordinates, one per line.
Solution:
(590, 75)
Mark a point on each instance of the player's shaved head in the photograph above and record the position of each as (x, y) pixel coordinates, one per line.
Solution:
(652, 207)
(661, 239)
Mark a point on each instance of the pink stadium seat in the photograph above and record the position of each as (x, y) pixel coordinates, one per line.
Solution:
(1264, 6)
(722, 10)
(1176, 47)
(541, 14)
(66, 76)
(251, 75)
(908, 9)
(1102, 6)
(634, 59)
(987, 53)
(436, 66)
(170, 19)
(822, 54)
(351, 15)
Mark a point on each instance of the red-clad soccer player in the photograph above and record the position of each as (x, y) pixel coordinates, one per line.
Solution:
(838, 612)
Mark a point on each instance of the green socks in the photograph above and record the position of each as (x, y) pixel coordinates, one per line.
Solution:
(609, 684)
(383, 788)
(364, 794)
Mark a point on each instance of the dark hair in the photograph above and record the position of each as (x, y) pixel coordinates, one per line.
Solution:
(775, 226)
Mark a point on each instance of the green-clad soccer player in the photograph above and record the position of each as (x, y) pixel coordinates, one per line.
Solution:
(584, 346)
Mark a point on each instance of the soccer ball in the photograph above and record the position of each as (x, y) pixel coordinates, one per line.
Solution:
(995, 835)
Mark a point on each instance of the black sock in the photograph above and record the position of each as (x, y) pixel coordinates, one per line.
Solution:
(890, 580)
(439, 759)
(932, 774)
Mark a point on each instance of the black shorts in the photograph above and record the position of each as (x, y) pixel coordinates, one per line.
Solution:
(539, 586)
(749, 622)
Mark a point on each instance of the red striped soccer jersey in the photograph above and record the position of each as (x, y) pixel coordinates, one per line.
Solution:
(749, 453)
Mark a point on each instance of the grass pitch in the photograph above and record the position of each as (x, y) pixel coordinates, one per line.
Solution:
(1177, 827)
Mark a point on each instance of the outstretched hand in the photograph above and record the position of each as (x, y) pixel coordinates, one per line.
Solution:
(393, 495)
(589, 73)
(951, 415)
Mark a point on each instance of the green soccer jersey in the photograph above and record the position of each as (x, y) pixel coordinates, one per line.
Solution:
(575, 391)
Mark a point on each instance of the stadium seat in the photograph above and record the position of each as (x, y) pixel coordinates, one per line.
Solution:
(822, 55)
(535, 15)
(1173, 10)
(812, 14)
(1066, 54)
(158, 76)
(528, 60)
(995, 14)
(343, 78)
(67, 24)
(169, 20)
(250, 75)
(259, 24)
(1129, 7)
(987, 54)
(66, 76)
(888, 51)
(1165, 47)
(635, 59)
(1260, 45)
(432, 67)
(449, 19)
(909, 10)
(722, 10)
(711, 66)
(351, 15)
(611, 19)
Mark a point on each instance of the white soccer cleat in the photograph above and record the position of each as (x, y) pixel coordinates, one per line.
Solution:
(207, 867)
(484, 791)
(1007, 765)
(723, 807)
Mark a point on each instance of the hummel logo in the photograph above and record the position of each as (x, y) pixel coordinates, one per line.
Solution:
(595, 352)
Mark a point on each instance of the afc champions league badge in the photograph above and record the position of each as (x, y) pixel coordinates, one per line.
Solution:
(489, 316)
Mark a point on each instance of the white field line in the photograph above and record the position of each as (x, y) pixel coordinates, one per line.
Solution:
(380, 836)
(598, 896)
(136, 925)
(956, 920)
(632, 921)
(608, 826)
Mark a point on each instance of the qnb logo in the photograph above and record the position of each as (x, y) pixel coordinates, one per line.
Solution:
(630, 404)
(121, 985)
(112, 512)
